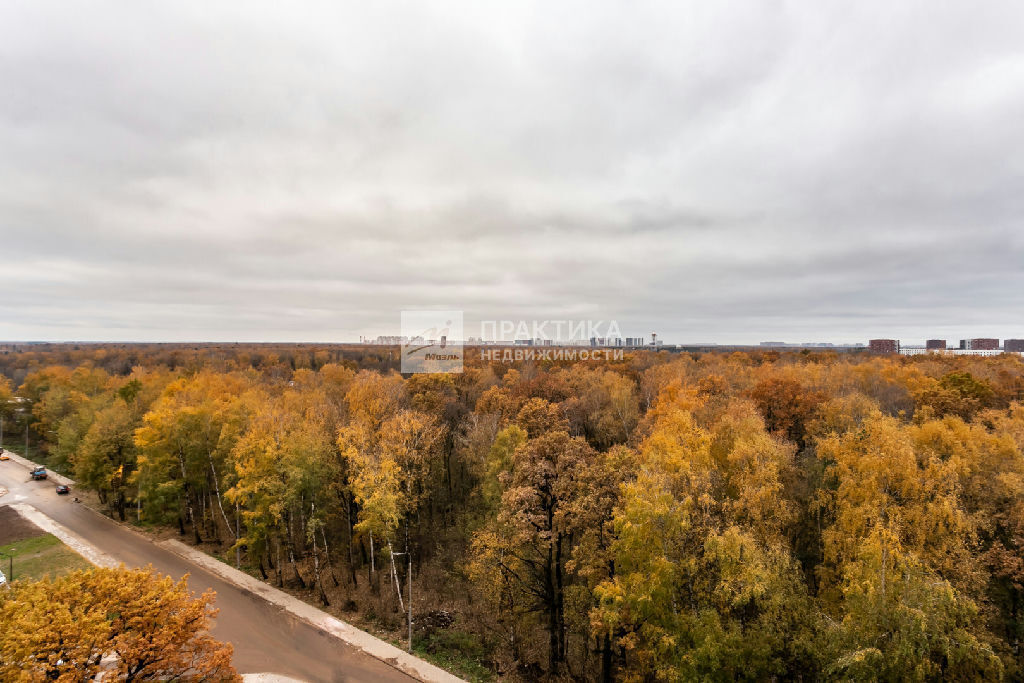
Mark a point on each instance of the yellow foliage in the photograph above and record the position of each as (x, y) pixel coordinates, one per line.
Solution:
(60, 629)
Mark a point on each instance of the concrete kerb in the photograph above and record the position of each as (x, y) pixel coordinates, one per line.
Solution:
(361, 640)
(99, 558)
(50, 474)
(66, 536)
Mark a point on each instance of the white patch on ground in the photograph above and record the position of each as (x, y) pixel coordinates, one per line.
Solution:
(347, 633)
(67, 537)
(3, 491)
(269, 678)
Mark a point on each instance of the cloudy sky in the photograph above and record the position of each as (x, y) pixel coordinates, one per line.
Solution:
(710, 171)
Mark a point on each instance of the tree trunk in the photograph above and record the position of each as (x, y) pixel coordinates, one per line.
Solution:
(291, 553)
(408, 556)
(263, 572)
(373, 568)
(188, 497)
(280, 577)
(205, 518)
(216, 490)
(549, 579)
(560, 598)
(394, 574)
(316, 574)
(238, 535)
(606, 659)
(327, 554)
(351, 559)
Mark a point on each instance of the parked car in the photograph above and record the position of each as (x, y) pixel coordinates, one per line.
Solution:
(39, 473)
(63, 489)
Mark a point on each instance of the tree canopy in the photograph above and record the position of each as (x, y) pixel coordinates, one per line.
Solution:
(150, 627)
(666, 516)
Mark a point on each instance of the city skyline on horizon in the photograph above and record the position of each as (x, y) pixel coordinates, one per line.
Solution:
(952, 341)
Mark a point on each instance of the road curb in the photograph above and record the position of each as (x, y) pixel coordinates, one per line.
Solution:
(350, 635)
(69, 538)
(50, 474)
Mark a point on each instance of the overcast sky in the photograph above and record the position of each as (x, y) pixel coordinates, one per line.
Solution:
(710, 171)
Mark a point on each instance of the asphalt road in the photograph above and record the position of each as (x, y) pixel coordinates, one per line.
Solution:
(266, 639)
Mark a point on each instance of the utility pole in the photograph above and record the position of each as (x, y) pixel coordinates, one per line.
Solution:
(1, 430)
(408, 554)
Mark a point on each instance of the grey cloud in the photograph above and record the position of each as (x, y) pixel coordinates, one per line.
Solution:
(713, 172)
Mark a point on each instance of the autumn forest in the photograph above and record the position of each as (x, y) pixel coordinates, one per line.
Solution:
(668, 516)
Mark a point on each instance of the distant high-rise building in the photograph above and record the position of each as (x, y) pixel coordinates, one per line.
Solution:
(884, 345)
(1013, 345)
(935, 345)
(980, 344)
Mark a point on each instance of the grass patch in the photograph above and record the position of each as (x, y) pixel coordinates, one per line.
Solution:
(41, 555)
(458, 651)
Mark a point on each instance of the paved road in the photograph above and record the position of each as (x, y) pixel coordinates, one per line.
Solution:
(265, 638)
